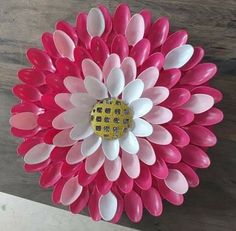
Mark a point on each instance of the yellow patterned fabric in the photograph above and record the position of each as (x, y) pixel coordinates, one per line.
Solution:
(111, 118)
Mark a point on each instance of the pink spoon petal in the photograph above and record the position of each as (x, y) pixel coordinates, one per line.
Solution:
(199, 74)
(103, 184)
(201, 136)
(40, 59)
(210, 117)
(120, 46)
(80, 53)
(159, 169)
(129, 69)
(55, 82)
(68, 170)
(93, 205)
(48, 44)
(169, 153)
(48, 102)
(177, 97)
(169, 78)
(176, 39)
(169, 195)
(154, 60)
(80, 203)
(152, 201)
(24, 121)
(181, 117)
(216, 94)
(64, 44)
(133, 206)
(195, 59)
(24, 133)
(66, 67)
(180, 137)
(144, 180)
(27, 93)
(120, 207)
(26, 107)
(32, 77)
(147, 17)
(176, 181)
(140, 51)
(56, 194)
(195, 156)
(158, 32)
(108, 21)
(68, 29)
(121, 18)
(36, 167)
(81, 27)
(70, 191)
(85, 178)
(27, 144)
(59, 154)
(189, 174)
(50, 175)
(125, 183)
(99, 50)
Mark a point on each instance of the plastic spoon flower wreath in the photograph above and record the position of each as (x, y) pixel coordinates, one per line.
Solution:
(116, 113)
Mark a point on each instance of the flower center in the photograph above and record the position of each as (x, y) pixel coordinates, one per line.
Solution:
(111, 118)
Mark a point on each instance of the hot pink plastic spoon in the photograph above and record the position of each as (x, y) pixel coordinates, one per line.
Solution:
(27, 93)
(199, 74)
(32, 77)
(158, 32)
(140, 51)
(48, 44)
(181, 117)
(120, 207)
(154, 60)
(216, 94)
(81, 27)
(124, 182)
(50, 175)
(176, 39)
(210, 117)
(195, 156)
(66, 67)
(147, 17)
(195, 59)
(169, 78)
(201, 136)
(152, 201)
(159, 169)
(103, 184)
(93, 205)
(133, 206)
(121, 18)
(144, 180)
(108, 21)
(99, 50)
(177, 97)
(40, 59)
(36, 167)
(120, 46)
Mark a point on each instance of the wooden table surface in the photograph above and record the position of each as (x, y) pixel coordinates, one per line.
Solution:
(211, 23)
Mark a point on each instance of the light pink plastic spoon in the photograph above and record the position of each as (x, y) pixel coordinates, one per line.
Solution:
(80, 203)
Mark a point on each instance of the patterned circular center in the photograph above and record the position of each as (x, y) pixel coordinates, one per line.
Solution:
(111, 118)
